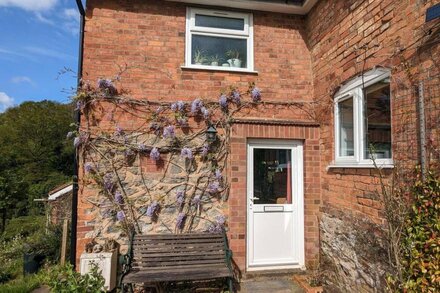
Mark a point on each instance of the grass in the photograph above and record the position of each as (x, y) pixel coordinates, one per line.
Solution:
(21, 285)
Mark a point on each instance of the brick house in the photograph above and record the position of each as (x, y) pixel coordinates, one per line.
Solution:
(303, 189)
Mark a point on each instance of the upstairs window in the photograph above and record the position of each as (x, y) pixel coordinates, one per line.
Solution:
(219, 40)
(363, 121)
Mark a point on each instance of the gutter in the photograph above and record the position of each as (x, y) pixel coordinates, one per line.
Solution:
(77, 118)
(258, 5)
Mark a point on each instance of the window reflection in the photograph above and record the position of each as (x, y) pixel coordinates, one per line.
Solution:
(219, 22)
(346, 137)
(272, 176)
(377, 121)
(219, 51)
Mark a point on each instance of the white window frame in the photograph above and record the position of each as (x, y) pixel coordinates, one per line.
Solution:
(247, 33)
(354, 89)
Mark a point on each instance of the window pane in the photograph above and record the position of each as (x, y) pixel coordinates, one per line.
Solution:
(272, 176)
(377, 119)
(219, 51)
(346, 138)
(220, 22)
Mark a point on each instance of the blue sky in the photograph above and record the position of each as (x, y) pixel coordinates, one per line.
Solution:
(38, 38)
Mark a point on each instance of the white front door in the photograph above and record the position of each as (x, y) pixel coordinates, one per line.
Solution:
(275, 232)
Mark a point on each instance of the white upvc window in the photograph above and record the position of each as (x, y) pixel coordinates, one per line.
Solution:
(219, 40)
(362, 111)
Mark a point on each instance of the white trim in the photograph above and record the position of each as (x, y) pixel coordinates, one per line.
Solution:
(354, 89)
(297, 158)
(59, 193)
(257, 5)
(246, 34)
(219, 68)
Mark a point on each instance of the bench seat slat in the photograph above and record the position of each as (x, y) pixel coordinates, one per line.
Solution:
(183, 274)
(178, 258)
(171, 265)
(178, 236)
(176, 241)
(177, 254)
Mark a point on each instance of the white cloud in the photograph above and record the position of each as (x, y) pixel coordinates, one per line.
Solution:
(41, 18)
(30, 5)
(22, 79)
(71, 20)
(47, 52)
(5, 101)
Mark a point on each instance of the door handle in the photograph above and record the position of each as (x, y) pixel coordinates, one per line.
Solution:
(254, 198)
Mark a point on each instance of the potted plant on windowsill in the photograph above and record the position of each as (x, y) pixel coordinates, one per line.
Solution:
(234, 58)
(199, 57)
(215, 60)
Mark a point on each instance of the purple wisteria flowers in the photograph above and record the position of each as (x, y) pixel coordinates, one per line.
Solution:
(256, 94)
(120, 216)
(205, 150)
(218, 175)
(196, 105)
(152, 209)
(142, 147)
(180, 197)
(119, 130)
(108, 182)
(235, 96)
(155, 154)
(205, 113)
(119, 199)
(88, 167)
(180, 221)
(186, 153)
(178, 106)
(107, 85)
(168, 132)
(214, 187)
(219, 224)
(223, 101)
(196, 201)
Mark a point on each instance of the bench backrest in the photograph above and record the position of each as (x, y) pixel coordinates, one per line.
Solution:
(178, 250)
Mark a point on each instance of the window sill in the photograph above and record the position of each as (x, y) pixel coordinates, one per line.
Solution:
(341, 165)
(218, 68)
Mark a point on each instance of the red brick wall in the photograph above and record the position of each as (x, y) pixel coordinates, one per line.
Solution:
(148, 39)
(347, 37)
(149, 36)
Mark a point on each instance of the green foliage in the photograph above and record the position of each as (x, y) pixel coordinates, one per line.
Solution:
(421, 241)
(23, 226)
(11, 258)
(35, 156)
(37, 240)
(21, 285)
(65, 279)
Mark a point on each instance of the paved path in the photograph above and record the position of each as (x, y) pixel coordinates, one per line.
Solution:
(272, 286)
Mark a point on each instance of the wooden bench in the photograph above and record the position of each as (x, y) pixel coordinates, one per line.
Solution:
(177, 257)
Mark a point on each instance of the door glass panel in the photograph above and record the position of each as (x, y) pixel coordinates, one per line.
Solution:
(346, 136)
(272, 176)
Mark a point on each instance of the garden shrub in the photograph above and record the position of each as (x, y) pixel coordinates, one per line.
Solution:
(421, 238)
(23, 226)
(65, 279)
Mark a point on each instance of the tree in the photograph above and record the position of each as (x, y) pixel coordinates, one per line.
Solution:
(35, 156)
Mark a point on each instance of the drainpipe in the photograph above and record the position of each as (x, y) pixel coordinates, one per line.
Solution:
(77, 118)
(422, 129)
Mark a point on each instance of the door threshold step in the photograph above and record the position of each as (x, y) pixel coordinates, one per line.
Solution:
(271, 274)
